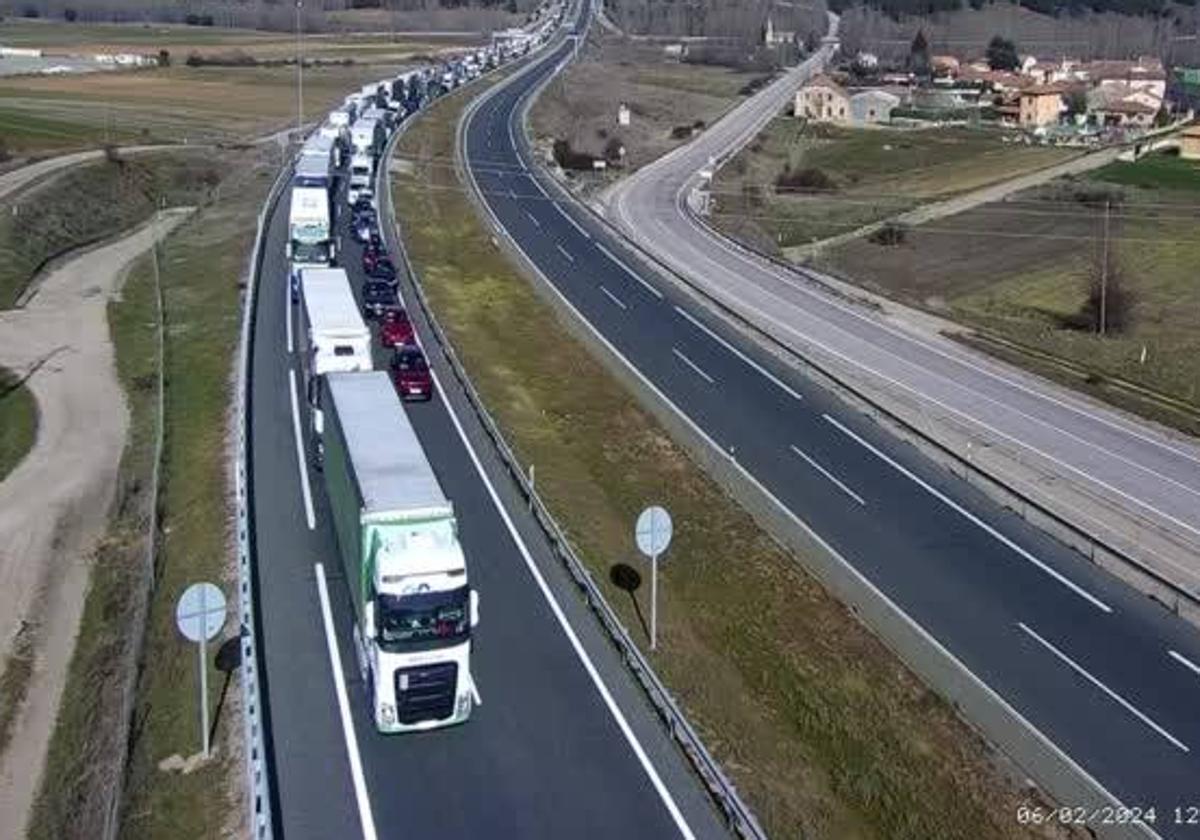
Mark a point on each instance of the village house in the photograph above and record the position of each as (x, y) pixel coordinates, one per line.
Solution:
(1122, 107)
(1143, 75)
(872, 106)
(1041, 105)
(1189, 143)
(822, 99)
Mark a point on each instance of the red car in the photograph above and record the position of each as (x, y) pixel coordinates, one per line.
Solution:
(396, 330)
(410, 373)
(371, 256)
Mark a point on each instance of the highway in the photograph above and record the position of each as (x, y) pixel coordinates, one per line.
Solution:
(1134, 485)
(1110, 678)
(563, 744)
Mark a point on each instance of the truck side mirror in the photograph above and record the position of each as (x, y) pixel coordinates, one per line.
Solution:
(369, 620)
(474, 608)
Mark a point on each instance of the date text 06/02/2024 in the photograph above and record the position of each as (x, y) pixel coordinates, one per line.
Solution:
(1108, 815)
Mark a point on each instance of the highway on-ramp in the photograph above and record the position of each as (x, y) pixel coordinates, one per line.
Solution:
(1107, 676)
(563, 745)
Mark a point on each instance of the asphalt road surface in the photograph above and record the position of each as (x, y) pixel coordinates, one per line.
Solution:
(563, 745)
(1101, 461)
(1108, 676)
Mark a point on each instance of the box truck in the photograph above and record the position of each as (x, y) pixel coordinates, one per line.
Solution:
(333, 336)
(414, 610)
(362, 171)
(366, 137)
(310, 228)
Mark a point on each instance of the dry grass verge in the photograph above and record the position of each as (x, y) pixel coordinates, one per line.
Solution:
(822, 728)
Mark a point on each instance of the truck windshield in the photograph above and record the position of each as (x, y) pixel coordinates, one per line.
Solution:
(424, 620)
(310, 252)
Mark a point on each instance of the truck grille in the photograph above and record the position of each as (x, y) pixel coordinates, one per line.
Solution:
(426, 692)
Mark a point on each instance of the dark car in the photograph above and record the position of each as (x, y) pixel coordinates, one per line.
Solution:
(411, 375)
(365, 230)
(372, 253)
(378, 297)
(384, 270)
(396, 330)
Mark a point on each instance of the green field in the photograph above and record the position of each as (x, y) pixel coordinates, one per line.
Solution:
(91, 203)
(1021, 269)
(202, 263)
(863, 176)
(818, 724)
(18, 421)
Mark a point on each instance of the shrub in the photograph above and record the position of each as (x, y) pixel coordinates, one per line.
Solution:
(70, 15)
(810, 179)
(890, 235)
(569, 158)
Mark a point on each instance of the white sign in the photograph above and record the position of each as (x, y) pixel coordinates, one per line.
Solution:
(653, 531)
(200, 612)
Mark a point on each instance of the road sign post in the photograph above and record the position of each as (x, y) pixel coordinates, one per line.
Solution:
(200, 615)
(653, 535)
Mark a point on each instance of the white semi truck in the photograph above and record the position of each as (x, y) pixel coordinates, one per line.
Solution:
(398, 540)
(362, 172)
(310, 227)
(333, 336)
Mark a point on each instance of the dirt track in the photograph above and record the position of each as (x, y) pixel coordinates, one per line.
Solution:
(54, 506)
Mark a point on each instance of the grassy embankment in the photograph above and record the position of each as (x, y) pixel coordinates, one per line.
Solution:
(847, 178)
(1022, 269)
(662, 93)
(90, 203)
(201, 265)
(18, 421)
(43, 114)
(823, 729)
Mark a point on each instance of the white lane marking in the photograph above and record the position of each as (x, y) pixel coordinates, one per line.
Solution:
(628, 270)
(618, 716)
(287, 312)
(770, 376)
(790, 514)
(1129, 707)
(574, 223)
(339, 688)
(474, 688)
(946, 500)
(614, 298)
(692, 365)
(840, 484)
(1184, 661)
(565, 253)
(533, 219)
(512, 194)
(922, 395)
(301, 461)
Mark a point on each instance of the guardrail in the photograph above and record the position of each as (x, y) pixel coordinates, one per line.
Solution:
(1174, 597)
(738, 814)
(258, 771)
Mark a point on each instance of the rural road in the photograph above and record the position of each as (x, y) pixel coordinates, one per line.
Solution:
(26, 175)
(55, 505)
(1135, 486)
(960, 204)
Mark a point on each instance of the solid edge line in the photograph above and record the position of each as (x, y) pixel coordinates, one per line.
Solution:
(787, 389)
(568, 631)
(301, 463)
(972, 518)
(339, 688)
(574, 223)
(1083, 672)
(1184, 661)
(812, 462)
(287, 313)
(620, 262)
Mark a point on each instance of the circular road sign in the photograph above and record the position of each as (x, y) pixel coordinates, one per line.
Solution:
(200, 612)
(653, 531)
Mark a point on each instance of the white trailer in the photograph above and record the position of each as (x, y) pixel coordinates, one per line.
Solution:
(362, 174)
(366, 137)
(333, 336)
(398, 539)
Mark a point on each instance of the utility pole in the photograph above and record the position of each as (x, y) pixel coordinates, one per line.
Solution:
(1104, 274)
(299, 75)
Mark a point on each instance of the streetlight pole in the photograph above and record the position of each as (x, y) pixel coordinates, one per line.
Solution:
(1104, 276)
(299, 74)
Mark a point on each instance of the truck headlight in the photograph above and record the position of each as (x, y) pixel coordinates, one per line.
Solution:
(387, 713)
